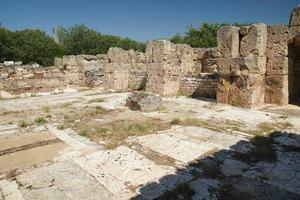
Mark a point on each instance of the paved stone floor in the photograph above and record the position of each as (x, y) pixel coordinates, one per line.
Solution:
(222, 153)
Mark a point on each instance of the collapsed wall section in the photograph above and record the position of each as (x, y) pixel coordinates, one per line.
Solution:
(26, 79)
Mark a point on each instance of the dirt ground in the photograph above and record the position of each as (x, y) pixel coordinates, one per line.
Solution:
(88, 145)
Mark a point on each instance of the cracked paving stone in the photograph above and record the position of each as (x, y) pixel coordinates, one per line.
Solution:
(64, 180)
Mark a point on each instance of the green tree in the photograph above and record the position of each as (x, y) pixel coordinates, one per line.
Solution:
(205, 36)
(80, 39)
(35, 46)
(6, 42)
(28, 46)
(177, 39)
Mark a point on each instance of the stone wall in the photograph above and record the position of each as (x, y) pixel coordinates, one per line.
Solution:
(277, 69)
(242, 65)
(204, 85)
(29, 80)
(68, 72)
(125, 70)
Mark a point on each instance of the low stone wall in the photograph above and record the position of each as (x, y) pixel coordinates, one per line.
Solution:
(125, 70)
(204, 85)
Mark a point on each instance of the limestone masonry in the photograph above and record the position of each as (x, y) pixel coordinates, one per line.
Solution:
(251, 66)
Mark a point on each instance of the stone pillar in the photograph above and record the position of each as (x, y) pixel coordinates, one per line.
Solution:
(294, 24)
(116, 73)
(242, 65)
(124, 70)
(277, 70)
(163, 68)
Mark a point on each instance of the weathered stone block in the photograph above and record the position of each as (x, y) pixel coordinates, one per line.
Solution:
(277, 89)
(295, 17)
(140, 57)
(224, 66)
(58, 62)
(69, 60)
(161, 51)
(241, 91)
(255, 65)
(197, 69)
(278, 38)
(209, 63)
(199, 53)
(116, 76)
(163, 79)
(254, 43)
(228, 41)
(144, 102)
(185, 54)
(117, 55)
(278, 65)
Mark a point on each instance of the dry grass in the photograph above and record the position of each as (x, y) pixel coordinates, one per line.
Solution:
(262, 129)
(97, 100)
(115, 133)
(266, 128)
(24, 123)
(112, 133)
(209, 124)
(66, 105)
(46, 109)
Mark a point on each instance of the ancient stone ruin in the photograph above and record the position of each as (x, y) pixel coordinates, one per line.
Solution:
(118, 130)
(251, 66)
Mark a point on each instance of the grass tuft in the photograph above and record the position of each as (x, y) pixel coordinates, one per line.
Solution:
(40, 121)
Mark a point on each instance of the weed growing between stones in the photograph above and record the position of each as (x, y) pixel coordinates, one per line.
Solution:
(24, 123)
(115, 133)
(40, 121)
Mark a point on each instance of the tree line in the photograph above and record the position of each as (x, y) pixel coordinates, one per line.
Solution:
(33, 45)
(204, 36)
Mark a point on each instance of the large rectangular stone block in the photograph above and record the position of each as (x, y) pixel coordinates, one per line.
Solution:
(254, 42)
(246, 92)
(224, 66)
(228, 41)
(277, 89)
(254, 65)
(117, 55)
(278, 38)
(185, 54)
(163, 79)
(278, 66)
(199, 53)
(116, 76)
(58, 62)
(161, 51)
(69, 60)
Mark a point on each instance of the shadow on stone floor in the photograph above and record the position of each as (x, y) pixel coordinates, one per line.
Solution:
(265, 167)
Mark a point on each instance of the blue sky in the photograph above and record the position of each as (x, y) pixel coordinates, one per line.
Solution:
(140, 19)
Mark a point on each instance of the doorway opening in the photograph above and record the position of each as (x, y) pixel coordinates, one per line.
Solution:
(294, 71)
